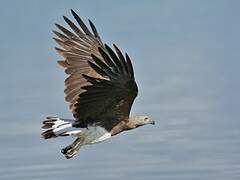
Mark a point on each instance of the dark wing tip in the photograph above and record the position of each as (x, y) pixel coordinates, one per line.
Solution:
(119, 52)
(115, 46)
(100, 49)
(65, 18)
(94, 30)
(81, 23)
(96, 67)
(107, 46)
(129, 65)
(57, 25)
(73, 12)
(68, 21)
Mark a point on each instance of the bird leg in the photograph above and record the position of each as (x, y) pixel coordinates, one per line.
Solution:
(72, 149)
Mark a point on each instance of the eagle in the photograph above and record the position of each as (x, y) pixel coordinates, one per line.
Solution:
(100, 88)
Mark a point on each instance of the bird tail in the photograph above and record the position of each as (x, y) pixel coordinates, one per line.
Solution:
(56, 127)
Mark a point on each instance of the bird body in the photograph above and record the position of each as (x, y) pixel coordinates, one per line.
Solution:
(100, 88)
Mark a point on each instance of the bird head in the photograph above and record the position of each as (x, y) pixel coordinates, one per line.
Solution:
(143, 120)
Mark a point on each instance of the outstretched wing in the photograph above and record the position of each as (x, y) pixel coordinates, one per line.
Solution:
(101, 86)
(108, 101)
(76, 48)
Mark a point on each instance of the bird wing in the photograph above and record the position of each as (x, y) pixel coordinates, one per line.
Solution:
(76, 48)
(101, 86)
(109, 100)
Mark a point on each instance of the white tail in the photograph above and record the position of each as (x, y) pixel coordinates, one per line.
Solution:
(58, 127)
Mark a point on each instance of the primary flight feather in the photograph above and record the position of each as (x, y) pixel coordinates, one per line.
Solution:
(100, 88)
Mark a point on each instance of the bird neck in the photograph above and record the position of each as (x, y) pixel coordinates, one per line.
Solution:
(123, 126)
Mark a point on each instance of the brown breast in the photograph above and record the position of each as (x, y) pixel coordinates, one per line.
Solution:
(122, 126)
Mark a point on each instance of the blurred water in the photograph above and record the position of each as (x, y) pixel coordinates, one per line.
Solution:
(186, 58)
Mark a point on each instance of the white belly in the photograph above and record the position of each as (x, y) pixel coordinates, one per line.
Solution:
(93, 134)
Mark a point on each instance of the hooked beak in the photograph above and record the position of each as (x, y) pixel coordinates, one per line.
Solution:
(152, 122)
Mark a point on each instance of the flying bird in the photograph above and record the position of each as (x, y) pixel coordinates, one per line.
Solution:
(100, 88)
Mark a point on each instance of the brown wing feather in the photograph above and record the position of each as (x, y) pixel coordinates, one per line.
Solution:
(76, 47)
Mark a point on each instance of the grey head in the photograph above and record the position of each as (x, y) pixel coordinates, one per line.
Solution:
(141, 121)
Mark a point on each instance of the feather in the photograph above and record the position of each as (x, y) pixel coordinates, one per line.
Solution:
(108, 60)
(78, 59)
(80, 52)
(60, 35)
(122, 59)
(75, 45)
(68, 33)
(63, 63)
(104, 67)
(71, 88)
(72, 93)
(74, 27)
(115, 59)
(75, 62)
(98, 69)
(74, 78)
(73, 70)
(81, 23)
(60, 51)
(95, 31)
(129, 65)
